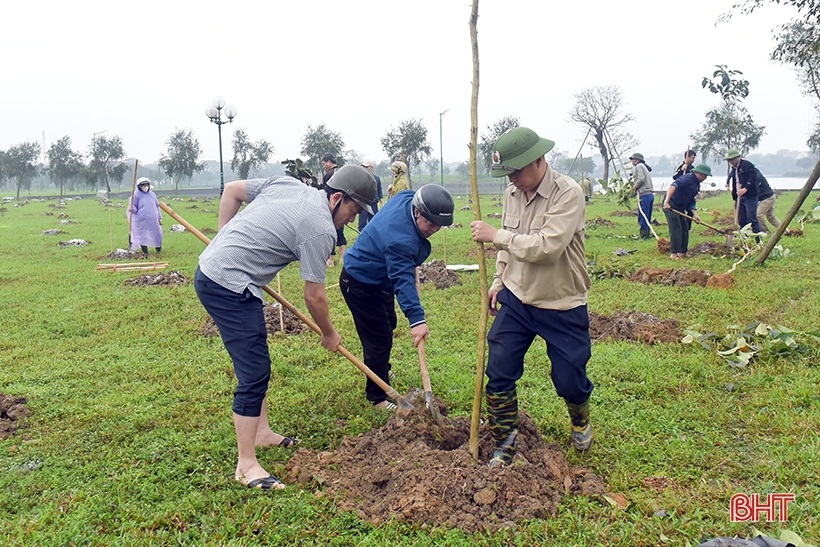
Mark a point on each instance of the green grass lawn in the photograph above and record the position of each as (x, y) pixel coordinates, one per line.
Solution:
(131, 441)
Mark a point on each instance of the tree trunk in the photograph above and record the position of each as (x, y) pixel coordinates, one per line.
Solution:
(599, 137)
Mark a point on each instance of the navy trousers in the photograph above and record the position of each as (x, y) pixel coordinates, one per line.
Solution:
(241, 323)
(747, 213)
(646, 203)
(568, 346)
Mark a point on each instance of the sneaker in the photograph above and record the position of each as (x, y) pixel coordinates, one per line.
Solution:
(386, 405)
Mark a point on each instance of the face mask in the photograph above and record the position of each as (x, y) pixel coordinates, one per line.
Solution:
(144, 188)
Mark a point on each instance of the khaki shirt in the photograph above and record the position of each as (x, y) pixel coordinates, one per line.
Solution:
(541, 245)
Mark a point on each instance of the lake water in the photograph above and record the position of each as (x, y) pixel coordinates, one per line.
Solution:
(777, 183)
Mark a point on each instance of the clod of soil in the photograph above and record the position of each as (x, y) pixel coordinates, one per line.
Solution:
(419, 472)
(290, 325)
(493, 215)
(634, 326)
(13, 412)
(620, 213)
(794, 232)
(436, 272)
(171, 278)
(663, 245)
(208, 231)
(720, 281)
(669, 276)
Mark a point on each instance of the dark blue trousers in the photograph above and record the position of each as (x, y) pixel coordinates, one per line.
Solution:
(241, 323)
(747, 213)
(646, 203)
(568, 346)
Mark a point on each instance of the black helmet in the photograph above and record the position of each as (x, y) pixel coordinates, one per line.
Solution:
(435, 203)
(357, 183)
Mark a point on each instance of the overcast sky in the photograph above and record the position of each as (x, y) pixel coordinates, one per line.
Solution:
(141, 69)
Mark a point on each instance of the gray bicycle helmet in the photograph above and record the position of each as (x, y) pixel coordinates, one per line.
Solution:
(435, 203)
(357, 183)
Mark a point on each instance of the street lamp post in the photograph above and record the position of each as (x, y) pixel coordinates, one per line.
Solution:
(441, 143)
(214, 113)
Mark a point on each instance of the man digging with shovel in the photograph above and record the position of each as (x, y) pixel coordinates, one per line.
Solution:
(541, 282)
(285, 221)
(382, 264)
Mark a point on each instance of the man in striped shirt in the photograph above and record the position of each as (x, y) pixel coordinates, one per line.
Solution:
(285, 221)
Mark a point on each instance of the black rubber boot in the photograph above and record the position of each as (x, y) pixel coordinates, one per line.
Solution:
(645, 234)
(502, 411)
(581, 435)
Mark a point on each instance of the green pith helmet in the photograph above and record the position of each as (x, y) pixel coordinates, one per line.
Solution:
(435, 203)
(703, 169)
(637, 156)
(357, 183)
(732, 154)
(516, 149)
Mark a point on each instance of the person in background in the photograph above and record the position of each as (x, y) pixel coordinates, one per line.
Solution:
(745, 189)
(400, 182)
(680, 197)
(541, 282)
(686, 165)
(330, 167)
(644, 190)
(145, 218)
(285, 221)
(364, 216)
(381, 265)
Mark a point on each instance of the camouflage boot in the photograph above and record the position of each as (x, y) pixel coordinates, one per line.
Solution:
(581, 436)
(502, 411)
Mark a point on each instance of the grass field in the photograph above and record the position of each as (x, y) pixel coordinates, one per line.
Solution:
(131, 443)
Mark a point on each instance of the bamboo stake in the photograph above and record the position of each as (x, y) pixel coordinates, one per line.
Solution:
(445, 249)
(482, 267)
(110, 231)
(281, 311)
(612, 149)
(131, 203)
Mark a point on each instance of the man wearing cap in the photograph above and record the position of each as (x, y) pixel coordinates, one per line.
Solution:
(330, 167)
(765, 195)
(745, 189)
(364, 216)
(382, 264)
(541, 283)
(680, 197)
(145, 218)
(642, 187)
(285, 221)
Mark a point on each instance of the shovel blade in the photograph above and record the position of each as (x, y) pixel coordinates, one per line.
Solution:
(436, 415)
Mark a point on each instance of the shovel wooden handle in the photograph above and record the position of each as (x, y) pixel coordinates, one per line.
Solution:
(425, 376)
(390, 391)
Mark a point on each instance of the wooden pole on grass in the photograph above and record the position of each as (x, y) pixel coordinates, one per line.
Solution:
(279, 290)
(131, 203)
(804, 193)
(482, 267)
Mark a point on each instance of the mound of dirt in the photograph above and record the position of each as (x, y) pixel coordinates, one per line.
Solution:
(436, 272)
(794, 232)
(489, 252)
(13, 412)
(634, 326)
(663, 245)
(52, 232)
(416, 471)
(208, 231)
(171, 278)
(670, 276)
(493, 215)
(600, 221)
(620, 213)
(291, 324)
(124, 254)
(720, 281)
(74, 243)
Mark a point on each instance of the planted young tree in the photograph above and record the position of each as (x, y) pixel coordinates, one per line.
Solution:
(181, 159)
(20, 164)
(63, 162)
(248, 156)
(601, 110)
(105, 164)
(728, 125)
(407, 142)
(319, 141)
(485, 149)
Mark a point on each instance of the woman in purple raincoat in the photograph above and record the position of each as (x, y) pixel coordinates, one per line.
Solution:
(146, 218)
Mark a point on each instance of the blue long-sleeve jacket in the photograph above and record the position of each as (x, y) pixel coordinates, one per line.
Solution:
(387, 252)
(686, 188)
